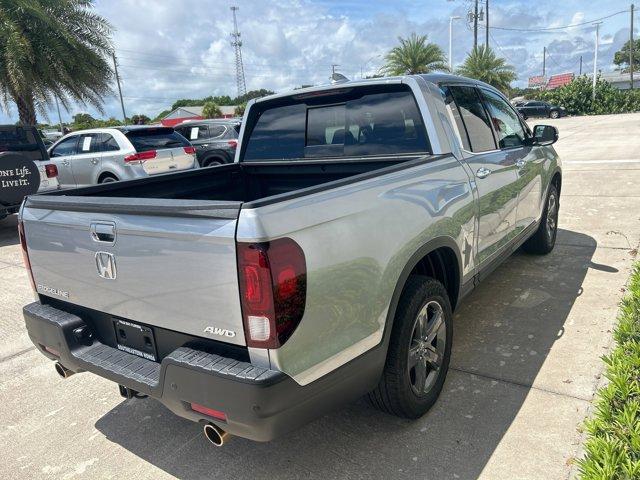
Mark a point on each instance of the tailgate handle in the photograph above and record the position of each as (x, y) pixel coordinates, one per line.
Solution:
(103, 232)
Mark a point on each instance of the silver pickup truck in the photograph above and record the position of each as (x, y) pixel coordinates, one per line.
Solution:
(322, 265)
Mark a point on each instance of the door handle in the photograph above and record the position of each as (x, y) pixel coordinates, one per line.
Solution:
(94, 161)
(521, 163)
(65, 163)
(483, 172)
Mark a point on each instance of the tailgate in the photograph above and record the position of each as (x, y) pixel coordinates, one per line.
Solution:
(169, 160)
(164, 263)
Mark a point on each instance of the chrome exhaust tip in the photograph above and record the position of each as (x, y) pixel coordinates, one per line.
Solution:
(63, 371)
(216, 435)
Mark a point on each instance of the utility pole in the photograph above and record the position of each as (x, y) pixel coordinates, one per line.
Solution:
(451, 19)
(579, 74)
(486, 41)
(631, 45)
(475, 26)
(595, 59)
(544, 61)
(115, 68)
(237, 45)
(59, 116)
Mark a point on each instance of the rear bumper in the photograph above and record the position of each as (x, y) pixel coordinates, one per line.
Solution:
(260, 404)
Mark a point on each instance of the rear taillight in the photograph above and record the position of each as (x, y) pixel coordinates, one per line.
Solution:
(190, 150)
(25, 253)
(273, 290)
(137, 158)
(233, 143)
(51, 170)
(210, 412)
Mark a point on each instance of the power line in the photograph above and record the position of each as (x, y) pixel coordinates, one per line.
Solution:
(546, 29)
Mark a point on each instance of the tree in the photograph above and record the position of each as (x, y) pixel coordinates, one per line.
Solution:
(140, 119)
(239, 111)
(52, 49)
(211, 110)
(484, 65)
(415, 55)
(621, 57)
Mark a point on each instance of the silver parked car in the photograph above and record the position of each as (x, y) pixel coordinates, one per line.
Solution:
(104, 155)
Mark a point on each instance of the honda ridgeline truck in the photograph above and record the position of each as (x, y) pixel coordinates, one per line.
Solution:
(324, 264)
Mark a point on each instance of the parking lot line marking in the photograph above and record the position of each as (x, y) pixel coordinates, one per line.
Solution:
(575, 162)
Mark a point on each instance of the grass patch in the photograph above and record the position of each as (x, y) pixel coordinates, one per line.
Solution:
(612, 449)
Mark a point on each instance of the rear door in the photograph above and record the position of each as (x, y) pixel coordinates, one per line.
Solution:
(173, 151)
(495, 171)
(61, 155)
(86, 162)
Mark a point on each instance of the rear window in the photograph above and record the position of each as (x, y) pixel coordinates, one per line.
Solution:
(357, 123)
(23, 140)
(155, 139)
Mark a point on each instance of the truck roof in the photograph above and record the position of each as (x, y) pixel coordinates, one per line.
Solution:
(435, 78)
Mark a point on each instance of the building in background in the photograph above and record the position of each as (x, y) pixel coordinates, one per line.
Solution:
(181, 114)
(622, 81)
(554, 81)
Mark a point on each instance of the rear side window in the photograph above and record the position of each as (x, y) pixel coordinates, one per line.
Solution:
(155, 139)
(380, 123)
(108, 143)
(65, 147)
(474, 119)
(89, 143)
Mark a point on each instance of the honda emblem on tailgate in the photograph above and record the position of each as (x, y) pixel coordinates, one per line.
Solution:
(106, 264)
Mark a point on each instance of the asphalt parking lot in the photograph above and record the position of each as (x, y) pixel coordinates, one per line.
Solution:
(525, 366)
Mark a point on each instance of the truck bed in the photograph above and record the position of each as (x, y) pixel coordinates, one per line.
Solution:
(241, 182)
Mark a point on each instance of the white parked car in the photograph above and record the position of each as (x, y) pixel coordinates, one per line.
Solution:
(102, 155)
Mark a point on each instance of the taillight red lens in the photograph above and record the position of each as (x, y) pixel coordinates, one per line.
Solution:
(51, 170)
(140, 156)
(233, 143)
(208, 411)
(273, 290)
(25, 253)
(190, 150)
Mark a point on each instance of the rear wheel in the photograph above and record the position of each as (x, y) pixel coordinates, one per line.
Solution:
(211, 162)
(543, 241)
(108, 179)
(554, 114)
(419, 350)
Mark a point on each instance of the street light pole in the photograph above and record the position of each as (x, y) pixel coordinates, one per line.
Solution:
(451, 19)
(595, 60)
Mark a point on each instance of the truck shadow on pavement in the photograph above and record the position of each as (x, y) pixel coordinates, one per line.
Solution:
(503, 333)
(9, 231)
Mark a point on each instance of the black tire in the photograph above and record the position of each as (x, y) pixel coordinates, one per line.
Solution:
(554, 114)
(524, 116)
(108, 179)
(543, 241)
(397, 392)
(211, 162)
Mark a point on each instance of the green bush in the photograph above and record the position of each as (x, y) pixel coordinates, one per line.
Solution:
(576, 98)
(612, 449)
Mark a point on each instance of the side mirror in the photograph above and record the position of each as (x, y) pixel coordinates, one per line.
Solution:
(545, 135)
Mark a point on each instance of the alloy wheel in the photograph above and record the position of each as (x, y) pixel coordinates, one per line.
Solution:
(427, 347)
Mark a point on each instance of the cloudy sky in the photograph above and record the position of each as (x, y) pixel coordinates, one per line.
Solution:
(171, 49)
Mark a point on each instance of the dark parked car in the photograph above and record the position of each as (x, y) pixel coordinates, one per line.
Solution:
(535, 108)
(215, 140)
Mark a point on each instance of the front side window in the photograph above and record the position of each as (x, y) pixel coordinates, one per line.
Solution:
(65, 147)
(474, 118)
(354, 124)
(505, 121)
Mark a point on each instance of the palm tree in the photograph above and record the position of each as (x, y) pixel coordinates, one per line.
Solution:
(415, 55)
(52, 48)
(211, 110)
(483, 64)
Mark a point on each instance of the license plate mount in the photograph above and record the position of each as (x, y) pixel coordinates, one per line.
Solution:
(135, 339)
